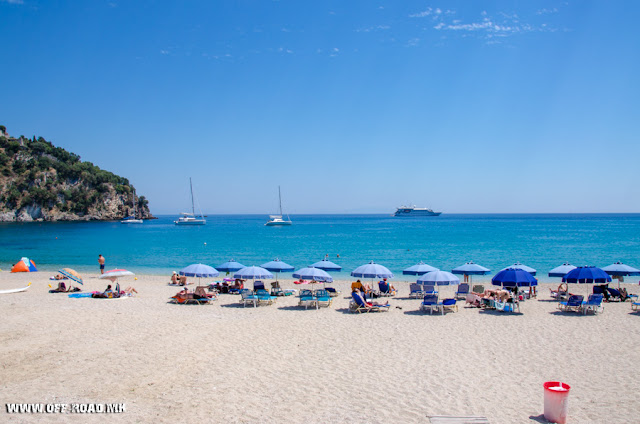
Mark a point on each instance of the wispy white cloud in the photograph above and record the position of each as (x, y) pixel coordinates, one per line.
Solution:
(374, 28)
(12, 1)
(547, 11)
(504, 25)
(164, 51)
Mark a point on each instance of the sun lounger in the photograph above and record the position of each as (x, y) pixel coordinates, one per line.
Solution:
(385, 289)
(593, 304)
(323, 298)
(430, 302)
(332, 291)
(463, 291)
(429, 289)
(416, 291)
(450, 304)
(635, 306)
(257, 285)
(307, 299)
(478, 288)
(264, 298)
(507, 306)
(247, 297)
(574, 303)
(358, 304)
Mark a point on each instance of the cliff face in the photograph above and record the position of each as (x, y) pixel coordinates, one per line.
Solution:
(39, 181)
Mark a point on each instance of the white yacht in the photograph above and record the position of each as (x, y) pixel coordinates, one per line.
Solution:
(275, 220)
(131, 219)
(190, 218)
(411, 211)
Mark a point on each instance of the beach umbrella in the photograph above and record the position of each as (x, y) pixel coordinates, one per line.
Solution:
(440, 278)
(326, 265)
(314, 274)
(621, 269)
(114, 274)
(230, 266)
(585, 275)
(514, 277)
(471, 269)
(71, 274)
(199, 270)
(24, 265)
(372, 270)
(252, 273)
(277, 266)
(562, 270)
(419, 269)
(518, 265)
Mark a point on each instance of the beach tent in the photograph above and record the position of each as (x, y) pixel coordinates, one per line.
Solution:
(24, 265)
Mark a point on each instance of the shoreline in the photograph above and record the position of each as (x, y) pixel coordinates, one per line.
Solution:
(281, 363)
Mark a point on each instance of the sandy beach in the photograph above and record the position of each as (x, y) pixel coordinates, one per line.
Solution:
(281, 363)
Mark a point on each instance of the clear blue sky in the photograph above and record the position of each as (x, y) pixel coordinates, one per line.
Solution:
(350, 106)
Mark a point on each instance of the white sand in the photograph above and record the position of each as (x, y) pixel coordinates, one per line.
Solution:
(224, 363)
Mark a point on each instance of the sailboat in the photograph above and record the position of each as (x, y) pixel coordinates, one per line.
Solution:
(277, 219)
(191, 218)
(131, 219)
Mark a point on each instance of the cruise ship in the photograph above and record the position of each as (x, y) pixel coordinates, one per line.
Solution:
(411, 211)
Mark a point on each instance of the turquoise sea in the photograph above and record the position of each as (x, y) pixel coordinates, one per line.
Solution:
(541, 241)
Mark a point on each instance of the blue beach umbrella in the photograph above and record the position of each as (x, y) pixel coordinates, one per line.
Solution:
(230, 266)
(471, 269)
(586, 275)
(562, 270)
(419, 269)
(512, 277)
(518, 265)
(313, 274)
(253, 273)
(621, 269)
(277, 266)
(372, 270)
(199, 270)
(440, 278)
(326, 265)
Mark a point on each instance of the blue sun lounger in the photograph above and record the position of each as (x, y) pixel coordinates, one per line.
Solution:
(593, 303)
(574, 303)
(430, 302)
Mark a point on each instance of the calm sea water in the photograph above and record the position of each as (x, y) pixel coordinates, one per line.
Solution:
(495, 241)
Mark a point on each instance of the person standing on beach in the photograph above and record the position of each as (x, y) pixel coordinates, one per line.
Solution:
(101, 262)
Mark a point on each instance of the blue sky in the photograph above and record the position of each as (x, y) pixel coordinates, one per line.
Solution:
(352, 107)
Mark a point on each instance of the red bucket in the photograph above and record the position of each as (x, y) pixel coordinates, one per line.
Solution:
(556, 399)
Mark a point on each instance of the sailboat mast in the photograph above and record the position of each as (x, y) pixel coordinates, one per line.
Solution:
(193, 209)
(280, 200)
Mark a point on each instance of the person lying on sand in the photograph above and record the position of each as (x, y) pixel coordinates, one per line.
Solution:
(129, 291)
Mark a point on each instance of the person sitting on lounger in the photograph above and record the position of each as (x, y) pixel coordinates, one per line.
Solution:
(624, 295)
(174, 278)
(369, 304)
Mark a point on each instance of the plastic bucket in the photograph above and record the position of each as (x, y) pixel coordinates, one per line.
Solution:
(556, 399)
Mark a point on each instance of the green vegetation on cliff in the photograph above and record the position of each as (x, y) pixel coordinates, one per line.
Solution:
(41, 181)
